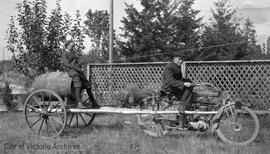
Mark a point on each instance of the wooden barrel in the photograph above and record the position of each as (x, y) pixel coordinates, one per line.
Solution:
(59, 82)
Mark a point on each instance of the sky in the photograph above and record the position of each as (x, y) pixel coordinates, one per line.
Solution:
(257, 10)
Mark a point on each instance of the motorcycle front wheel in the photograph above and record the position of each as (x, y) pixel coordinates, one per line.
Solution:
(238, 126)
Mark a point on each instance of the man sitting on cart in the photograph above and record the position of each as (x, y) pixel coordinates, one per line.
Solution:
(174, 83)
(70, 62)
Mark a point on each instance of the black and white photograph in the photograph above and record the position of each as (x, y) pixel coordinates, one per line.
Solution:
(134, 77)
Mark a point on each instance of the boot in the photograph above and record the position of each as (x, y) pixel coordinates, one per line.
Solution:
(78, 99)
(94, 104)
(181, 109)
(184, 121)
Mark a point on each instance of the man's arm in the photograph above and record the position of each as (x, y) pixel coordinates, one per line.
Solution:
(66, 62)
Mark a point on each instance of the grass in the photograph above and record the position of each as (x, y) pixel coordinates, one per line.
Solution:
(111, 134)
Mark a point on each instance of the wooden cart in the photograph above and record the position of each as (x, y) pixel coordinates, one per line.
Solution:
(52, 106)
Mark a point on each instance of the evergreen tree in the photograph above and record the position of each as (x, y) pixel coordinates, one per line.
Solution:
(268, 45)
(264, 48)
(222, 39)
(159, 29)
(249, 32)
(190, 29)
(252, 49)
(265, 54)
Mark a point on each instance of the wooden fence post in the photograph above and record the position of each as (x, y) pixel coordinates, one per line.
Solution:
(183, 69)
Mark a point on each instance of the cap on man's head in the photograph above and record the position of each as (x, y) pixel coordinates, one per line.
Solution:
(68, 43)
(176, 54)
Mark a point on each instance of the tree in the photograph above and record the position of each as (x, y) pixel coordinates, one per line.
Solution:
(190, 27)
(32, 20)
(159, 29)
(97, 28)
(252, 49)
(265, 54)
(268, 45)
(12, 38)
(77, 33)
(264, 48)
(222, 39)
(249, 32)
(55, 36)
(36, 44)
(67, 26)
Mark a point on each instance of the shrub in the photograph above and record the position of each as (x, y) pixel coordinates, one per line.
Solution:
(130, 97)
(28, 83)
(8, 98)
(133, 96)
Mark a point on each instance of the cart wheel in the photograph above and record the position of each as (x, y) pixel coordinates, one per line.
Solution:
(81, 119)
(238, 126)
(153, 125)
(45, 113)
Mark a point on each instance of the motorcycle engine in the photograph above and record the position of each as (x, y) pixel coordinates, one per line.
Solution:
(200, 125)
(198, 122)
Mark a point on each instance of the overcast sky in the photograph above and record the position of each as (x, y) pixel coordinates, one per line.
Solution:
(257, 10)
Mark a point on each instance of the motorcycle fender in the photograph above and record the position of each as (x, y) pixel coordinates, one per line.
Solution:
(215, 120)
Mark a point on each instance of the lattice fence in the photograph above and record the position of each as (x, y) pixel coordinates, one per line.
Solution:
(247, 80)
(109, 81)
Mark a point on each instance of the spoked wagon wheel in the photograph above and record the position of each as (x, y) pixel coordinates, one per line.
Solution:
(81, 119)
(45, 113)
(238, 126)
(153, 125)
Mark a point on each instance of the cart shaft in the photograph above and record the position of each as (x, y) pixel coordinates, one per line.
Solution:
(113, 110)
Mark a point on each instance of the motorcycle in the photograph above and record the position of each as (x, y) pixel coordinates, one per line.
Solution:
(211, 109)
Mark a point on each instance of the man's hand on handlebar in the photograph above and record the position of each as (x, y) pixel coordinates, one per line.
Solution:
(187, 84)
(191, 84)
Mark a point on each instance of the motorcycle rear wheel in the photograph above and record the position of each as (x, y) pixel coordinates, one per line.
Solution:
(154, 125)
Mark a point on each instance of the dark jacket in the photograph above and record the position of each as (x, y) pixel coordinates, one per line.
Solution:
(172, 78)
(70, 62)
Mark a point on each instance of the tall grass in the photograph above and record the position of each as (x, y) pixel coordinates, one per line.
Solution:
(114, 134)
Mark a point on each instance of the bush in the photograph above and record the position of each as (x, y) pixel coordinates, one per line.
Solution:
(133, 96)
(28, 82)
(8, 98)
(130, 97)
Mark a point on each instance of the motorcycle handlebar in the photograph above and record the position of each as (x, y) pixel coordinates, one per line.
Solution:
(205, 84)
(199, 84)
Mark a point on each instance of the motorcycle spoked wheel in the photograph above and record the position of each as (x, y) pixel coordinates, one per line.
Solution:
(238, 126)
